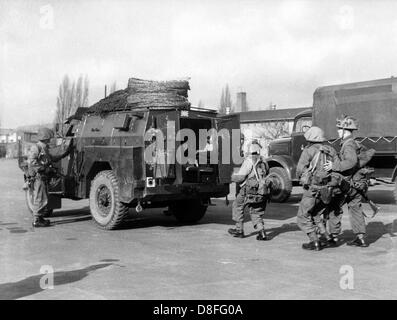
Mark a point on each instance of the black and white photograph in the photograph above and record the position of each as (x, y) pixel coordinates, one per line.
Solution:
(198, 154)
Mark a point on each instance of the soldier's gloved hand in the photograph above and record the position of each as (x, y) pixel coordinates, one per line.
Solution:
(328, 165)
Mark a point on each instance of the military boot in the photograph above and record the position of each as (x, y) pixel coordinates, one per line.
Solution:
(330, 241)
(236, 233)
(358, 242)
(40, 222)
(312, 245)
(262, 236)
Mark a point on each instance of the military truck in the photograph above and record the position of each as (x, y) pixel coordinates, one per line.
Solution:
(373, 103)
(109, 163)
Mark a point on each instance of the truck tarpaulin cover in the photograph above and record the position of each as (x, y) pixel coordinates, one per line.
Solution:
(372, 103)
(145, 93)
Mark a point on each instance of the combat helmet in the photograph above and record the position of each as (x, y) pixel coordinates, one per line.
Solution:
(347, 123)
(315, 134)
(44, 134)
(254, 149)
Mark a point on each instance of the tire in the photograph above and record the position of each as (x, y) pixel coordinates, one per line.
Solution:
(106, 208)
(188, 211)
(282, 184)
(29, 203)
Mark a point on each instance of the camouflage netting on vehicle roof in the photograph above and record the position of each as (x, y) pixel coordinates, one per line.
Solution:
(145, 93)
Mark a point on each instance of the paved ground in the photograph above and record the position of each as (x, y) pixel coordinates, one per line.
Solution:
(153, 257)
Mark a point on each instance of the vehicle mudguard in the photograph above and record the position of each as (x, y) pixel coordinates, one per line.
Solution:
(284, 161)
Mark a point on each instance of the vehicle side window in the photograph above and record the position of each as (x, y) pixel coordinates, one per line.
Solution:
(303, 124)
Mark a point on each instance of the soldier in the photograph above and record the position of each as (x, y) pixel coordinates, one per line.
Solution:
(318, 186)
(40, 171)
(251, 195)
(347, 165)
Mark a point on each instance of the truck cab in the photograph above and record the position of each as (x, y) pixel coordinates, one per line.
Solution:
(284, 154)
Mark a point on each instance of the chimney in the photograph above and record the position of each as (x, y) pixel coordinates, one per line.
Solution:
(241, 103)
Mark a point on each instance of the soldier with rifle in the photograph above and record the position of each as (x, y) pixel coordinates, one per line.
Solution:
(253, 192)
(350, 164)
(40, 171)
(318, 186)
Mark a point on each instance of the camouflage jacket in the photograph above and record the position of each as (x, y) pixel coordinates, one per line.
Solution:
(347, 162)
(40, 159)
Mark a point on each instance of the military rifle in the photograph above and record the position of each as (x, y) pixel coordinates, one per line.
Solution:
(374, 207)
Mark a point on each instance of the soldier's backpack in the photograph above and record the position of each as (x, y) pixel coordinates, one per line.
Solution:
(315, 173)
(360, 179)
(364, 154)
(257, 188)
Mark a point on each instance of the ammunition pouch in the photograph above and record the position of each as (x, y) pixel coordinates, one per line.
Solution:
(320, 178)
(306, 178)
(252, 198)
(326, 194)
(256, 191)
(360, 180)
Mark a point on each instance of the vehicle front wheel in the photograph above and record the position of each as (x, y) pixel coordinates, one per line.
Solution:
(106, 208)
(281, 186)
(188, 211)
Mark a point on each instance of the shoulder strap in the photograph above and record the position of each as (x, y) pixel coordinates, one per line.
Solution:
(314, 162)
(260, 160)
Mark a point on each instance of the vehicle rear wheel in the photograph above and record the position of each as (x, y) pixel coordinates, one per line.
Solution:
(188, 211)
(29, 203)
(282, 184)
(106, 208)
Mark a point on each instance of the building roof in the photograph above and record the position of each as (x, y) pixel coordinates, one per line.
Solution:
(6, 131)
(270, 115)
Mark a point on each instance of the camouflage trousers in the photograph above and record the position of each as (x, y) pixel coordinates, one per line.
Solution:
(256, 211)
(353, 200)
(309, 217)
(39, 197)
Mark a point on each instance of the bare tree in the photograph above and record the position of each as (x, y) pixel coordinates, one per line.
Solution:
(222, 109)
(70, 97)
(226, 101)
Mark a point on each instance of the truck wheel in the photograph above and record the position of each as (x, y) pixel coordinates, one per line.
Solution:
(106, 208)
(188, 211)
(29, 202)
(282, 184)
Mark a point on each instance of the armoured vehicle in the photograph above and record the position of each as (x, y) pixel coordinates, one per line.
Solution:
(114, 165)
(373, 103)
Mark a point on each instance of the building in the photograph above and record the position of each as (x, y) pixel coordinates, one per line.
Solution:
(8, 136)
(8, 141)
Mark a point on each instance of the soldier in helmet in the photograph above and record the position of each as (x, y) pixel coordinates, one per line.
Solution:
(40, 170)
(250, 196)
(347, 164)
(317, 185)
